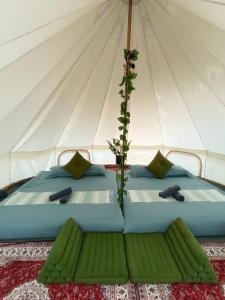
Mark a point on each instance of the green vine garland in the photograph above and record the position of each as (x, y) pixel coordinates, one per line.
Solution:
(120, 147)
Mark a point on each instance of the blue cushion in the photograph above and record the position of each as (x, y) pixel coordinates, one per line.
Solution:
(176, 171)
(142, 171)
(94, 170)
(58, 172)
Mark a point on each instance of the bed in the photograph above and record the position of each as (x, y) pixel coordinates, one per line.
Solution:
(203, 209)
(44, 219)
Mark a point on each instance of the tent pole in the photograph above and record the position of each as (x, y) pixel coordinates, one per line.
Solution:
(126, 102)
(129, 25)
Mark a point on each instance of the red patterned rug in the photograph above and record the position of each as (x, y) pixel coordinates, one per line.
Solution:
(21, 263)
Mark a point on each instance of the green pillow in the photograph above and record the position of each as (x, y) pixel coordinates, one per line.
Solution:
(77, 166)
(159, 165)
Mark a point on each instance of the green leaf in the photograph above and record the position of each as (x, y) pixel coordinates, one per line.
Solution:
(134, 55)
(123, 106)
(134, 75)
(126, 53)
(123, 81)
(121, 119)
(121, 93)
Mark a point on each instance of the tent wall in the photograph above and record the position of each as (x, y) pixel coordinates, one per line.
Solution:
(28, 164)
(5, 170)
(210, 10)
(59, 75)
(21, 165)
(215, 167)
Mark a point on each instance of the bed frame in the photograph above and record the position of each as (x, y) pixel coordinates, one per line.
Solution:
(217, 184)
(190, 154)
(13, 186)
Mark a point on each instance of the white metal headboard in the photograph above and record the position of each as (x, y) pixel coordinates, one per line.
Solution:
(71, 152)
(188, 154)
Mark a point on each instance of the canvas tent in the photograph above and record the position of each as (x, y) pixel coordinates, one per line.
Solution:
(60, 65)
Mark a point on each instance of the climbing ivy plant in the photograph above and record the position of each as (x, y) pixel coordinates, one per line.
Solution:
(120, 146)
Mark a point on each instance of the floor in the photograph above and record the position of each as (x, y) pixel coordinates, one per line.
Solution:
(20, 264)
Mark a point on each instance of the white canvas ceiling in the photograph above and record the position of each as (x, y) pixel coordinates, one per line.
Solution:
(61, 63)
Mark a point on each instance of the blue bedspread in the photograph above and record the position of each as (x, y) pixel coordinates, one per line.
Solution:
(204, 218)
(44, 221)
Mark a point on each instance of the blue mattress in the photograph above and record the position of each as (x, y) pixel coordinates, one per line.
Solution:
(44, 221)
(204, 218)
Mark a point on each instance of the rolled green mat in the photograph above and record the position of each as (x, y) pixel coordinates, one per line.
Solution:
(176, 252)
(51, 279)
(176, 258)
(42, 278)
(211, 274)
(73, 271)
(64, 269)
(62, 279)
(47, 269)
(195, 279)
(69, 279)
(56, 273)
(45, 273)
(58, 267)
(212, 277)
(191, 279)
(72, 250)
(66, 260)
(185, 249)
(61, 242)
(71, 253)
(202, 275)
(54, 280)
(192, 243)
(208, 268)
(197, 252)
(56, 276)
(57, 253)
(49, 266)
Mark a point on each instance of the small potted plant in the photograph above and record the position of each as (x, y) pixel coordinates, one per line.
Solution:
(116, 148)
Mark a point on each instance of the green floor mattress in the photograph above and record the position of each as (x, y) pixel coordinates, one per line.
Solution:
(114, 258)
(86, 257)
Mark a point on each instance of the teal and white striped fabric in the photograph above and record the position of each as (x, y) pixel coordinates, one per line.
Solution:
(204, 195)
(80, 197)
(91, 197)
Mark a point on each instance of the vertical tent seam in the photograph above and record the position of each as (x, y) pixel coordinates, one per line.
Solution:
(153, 85)
(109, 82)
(57, 87)
(174, 78)
(84, 83)
(193, 66)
